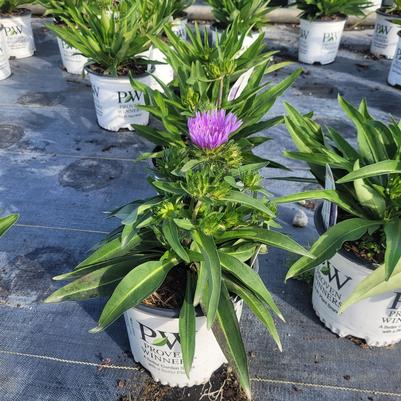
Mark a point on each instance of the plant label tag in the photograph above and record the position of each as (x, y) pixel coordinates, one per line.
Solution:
(329, 210)
(240, 85)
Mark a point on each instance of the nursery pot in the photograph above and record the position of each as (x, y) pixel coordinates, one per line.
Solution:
(19, 35)
(377, 320)
(178, 27)
(164, 72)
(147, 324)
(116, 102)
(385, 35)
(5, 70)
(73, 62)
(394, 77)
(319, 41)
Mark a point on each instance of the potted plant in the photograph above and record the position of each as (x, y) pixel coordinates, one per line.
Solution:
(385, 35)
(321, 26)
(180, 17)
(181, 261)
(252, 16)
(394, 76)
(115, 40)
(16, 21)
(73, 61)
(357, 265)
(5, 70)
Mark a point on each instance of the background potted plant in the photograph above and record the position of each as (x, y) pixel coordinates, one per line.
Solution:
(115, 40)
(251, 14)
(5, 70)
(73, 61)
(18, 28)
(357, 257)
(178, 260)
(394, 76)
(322, 24)
(180, 17)
(385, 35)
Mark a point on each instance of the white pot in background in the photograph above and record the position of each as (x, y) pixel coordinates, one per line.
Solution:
(385, 35)
(73, 62)
(116, 101)
(5, 70)
(376, 320)
(394, 76)
(319, 41)
(376, 4)
(178, 26)
(146, 325)
(19, 35)
(164, 72)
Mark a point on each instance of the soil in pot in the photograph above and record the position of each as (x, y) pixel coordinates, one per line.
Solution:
(123, 70)
(19, 35)
(223, 386)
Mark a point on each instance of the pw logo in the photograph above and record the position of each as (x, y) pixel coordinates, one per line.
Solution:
(304, 34)
(330, 37)
(148, 334)
(129, 96)
(396, 302)
(383, 29)
(334, 275)
(13, 30)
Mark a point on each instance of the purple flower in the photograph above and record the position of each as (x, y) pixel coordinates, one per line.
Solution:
(211, 129)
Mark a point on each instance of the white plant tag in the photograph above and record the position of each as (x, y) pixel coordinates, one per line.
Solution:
(329, 210)
(240, 85)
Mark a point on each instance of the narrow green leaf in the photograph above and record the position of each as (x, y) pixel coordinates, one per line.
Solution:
(187, 326)
(246, 200)
(7, 222)
(392, 229)
(170, 233)
(373, 170)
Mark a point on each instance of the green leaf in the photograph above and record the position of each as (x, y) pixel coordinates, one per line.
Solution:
(171, 234)
(134, 288)
(373, 170)
(227, 332)
(201, 284)
(185, 224)
(213, 269)
(160, 342)
(246, 200)
(267, 237)
(329, 195)
(187, 327)
(248, 277)
(257, 307)
(392, 229)
(332, 241)
(7, 222)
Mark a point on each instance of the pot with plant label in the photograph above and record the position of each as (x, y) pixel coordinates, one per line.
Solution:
(180, 18)
(321, 27)
(18, 29)
(385, 35)
(394, 76)
(73, 62)
(5, 70)
(357, 257)
(118, 51)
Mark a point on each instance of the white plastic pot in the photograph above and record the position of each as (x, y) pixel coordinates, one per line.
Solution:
(164, 72)
(385, 35)
(116, 102)
(19, 35)
(376, 4)
(146, 325)
(73, 62)
(377, 320)
(319, 41)
(394, 76)
(178, 26)
(5, 70)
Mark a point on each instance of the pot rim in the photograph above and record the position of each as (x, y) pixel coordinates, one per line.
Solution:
(90, 72)
(318, 220)
(174, 313)
(319, 21)
(27, 13)
(384, 14)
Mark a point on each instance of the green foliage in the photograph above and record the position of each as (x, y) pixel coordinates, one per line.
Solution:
(395, 9)
(113, 36)
(11, 6)
(317, 9)
(252, 14)
(368, 186)
(179, 6)
(6, 222)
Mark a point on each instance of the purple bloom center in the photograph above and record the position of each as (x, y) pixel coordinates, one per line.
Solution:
(211, 129)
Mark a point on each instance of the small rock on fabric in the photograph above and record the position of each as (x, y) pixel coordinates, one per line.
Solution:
(300, 219)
